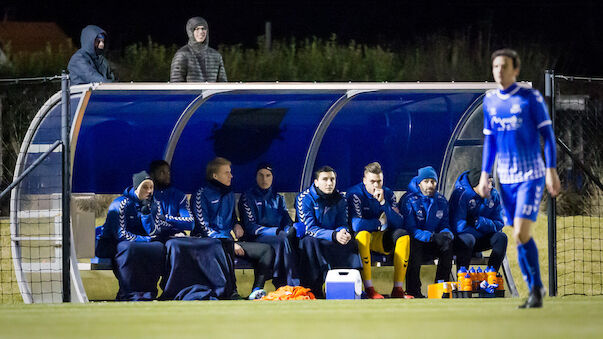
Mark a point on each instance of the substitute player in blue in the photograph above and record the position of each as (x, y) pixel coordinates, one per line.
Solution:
(266, 220)
(425, 214)
(477, 222)
(215, 217)
(174, 203)
(127, 237)
(322, 211)
(377, 223)
(514, 118)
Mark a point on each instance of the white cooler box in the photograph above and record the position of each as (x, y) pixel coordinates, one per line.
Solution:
(343, 284)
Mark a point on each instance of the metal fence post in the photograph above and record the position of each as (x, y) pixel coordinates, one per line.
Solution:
(66, 194)
(549, 92)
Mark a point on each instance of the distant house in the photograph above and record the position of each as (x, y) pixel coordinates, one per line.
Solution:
(29, 37)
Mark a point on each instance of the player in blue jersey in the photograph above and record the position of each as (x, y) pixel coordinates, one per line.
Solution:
(378, 225)
(174, 203)
(128, 238)
(266, 220)
(215, 217)
(514, 118)
(323, 213)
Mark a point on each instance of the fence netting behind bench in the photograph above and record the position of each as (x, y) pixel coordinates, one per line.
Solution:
(579, 125)
(30, 246)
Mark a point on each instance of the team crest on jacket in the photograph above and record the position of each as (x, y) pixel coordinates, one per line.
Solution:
(472, 204)
(491, 203)
(439, 214)
(420, 215)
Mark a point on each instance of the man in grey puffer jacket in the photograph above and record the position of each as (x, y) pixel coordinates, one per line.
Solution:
(197, 61)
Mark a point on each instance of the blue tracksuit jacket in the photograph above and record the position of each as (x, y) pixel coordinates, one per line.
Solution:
(214, 212)
(125, 222)
(175, 207)
(364, 210)
(423, 215)
(470, 213)
(320, 218)
(263, 212)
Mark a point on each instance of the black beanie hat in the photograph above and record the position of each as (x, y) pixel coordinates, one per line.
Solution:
(473, 176)
(264, 165)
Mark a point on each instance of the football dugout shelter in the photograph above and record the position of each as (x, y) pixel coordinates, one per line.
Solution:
(118, 129)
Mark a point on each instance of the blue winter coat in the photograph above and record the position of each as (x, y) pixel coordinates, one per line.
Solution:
(125, 222)
(214, 212)
(176, 211)
(263, 212)
(321, 219)
(421, 221)
(470, 213)
(364, 210)
(85, 66)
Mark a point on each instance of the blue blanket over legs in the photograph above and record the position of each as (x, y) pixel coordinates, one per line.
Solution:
(138, 266)
(196, 264)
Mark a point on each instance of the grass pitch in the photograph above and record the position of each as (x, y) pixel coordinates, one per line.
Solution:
(577, 317)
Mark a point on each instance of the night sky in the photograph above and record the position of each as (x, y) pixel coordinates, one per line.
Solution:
(574, 26)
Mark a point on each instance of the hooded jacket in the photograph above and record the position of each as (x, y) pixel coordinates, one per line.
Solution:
(214, 212)
(86, 66)
(424, 215)
(263, 212)
(322, 217)
(126, 222)
(196, 61)
(365, 210)
(470, 213)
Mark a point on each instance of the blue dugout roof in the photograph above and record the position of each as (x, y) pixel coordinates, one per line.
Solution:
(118, 129)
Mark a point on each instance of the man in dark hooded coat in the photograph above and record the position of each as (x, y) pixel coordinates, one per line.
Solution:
(197, 61)
(88, 64)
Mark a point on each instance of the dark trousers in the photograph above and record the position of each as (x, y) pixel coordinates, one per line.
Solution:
(286, 259)
(260, 255)
(465, 244)
(137, 267)
(421, 252)
(262, 258)
(318, 256)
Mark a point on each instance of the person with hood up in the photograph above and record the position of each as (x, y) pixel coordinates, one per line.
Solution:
(197, 61)
(266, 220)
(477, 222)
(426, 218)
(88, 64)
(133, 220)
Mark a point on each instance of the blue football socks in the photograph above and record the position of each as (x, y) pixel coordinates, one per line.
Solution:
(528, 262)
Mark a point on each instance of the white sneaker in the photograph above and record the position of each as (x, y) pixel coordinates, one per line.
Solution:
(257, 294)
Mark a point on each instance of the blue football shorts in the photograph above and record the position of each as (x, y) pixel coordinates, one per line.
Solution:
(522, 199)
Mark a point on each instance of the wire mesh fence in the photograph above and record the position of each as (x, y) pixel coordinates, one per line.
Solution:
(579, 129)
(30, 222)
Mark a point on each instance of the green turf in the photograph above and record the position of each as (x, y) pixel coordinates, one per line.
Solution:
(577, 317)
(102, 285)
